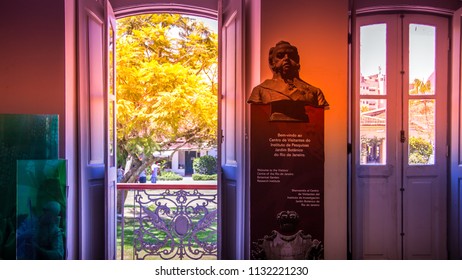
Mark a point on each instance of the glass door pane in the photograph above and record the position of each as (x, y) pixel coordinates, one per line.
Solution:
(421, 145)
(373, 57)
(421, 59)
(373, 111)
(372, 130)
(421, 126)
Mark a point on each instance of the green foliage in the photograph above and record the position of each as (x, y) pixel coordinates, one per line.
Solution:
(371, 140)
(420, 150)
(169, 176)
(204, 177)
(205, 165)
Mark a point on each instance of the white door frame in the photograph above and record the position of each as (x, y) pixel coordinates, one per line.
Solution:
(379, 190)
(455, 191)
(231, 208)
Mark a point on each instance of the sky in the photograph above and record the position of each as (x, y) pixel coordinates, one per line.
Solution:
(422, 50)
(210, 23)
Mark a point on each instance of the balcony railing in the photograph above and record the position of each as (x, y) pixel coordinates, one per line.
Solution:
(168, 221)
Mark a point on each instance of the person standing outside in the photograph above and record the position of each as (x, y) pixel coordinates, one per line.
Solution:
(155, 170)
(120, 174)
(142, 177)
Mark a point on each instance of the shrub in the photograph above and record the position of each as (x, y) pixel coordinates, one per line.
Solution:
(420, 150)
(169, 176)
(204, 177)
(205, 165)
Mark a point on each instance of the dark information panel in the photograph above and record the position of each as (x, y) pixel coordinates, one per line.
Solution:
(287, 185)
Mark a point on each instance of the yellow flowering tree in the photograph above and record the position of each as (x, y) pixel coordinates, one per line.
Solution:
(166, 86)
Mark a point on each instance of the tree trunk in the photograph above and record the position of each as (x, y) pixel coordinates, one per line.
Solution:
(131, 176)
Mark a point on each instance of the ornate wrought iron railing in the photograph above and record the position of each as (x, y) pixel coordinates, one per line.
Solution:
(168, 221)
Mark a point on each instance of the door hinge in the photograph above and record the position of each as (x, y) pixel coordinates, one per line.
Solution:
(402, 136)
(222, 137)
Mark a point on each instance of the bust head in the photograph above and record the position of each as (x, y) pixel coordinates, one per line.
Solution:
(50, 213)
(288, 221)
(284, 60)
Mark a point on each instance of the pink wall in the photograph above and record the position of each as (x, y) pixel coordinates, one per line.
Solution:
(32, 59)
(320, 31)
(37, 76)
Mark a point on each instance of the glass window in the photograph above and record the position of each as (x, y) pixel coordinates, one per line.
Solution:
(421, 59)
(373, 59)
(421, 144)
(372, 131)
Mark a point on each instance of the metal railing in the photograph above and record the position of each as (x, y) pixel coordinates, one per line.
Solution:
(168, 221)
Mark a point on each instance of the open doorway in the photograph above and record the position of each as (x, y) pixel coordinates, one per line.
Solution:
(97, 160)
(167, 119)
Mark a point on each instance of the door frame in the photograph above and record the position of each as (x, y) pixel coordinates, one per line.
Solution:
(455, 150)
(235, 246)
(92, 129)
(188, 165)
(353, 237)
(111, 135)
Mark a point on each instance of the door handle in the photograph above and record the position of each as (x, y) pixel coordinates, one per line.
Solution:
(402, 136)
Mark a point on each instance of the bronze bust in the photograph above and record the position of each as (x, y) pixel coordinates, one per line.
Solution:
(286, 92)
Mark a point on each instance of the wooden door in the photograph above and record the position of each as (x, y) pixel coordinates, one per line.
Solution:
(111, 136)
(231, 130)
(400, 132)
(96, 175)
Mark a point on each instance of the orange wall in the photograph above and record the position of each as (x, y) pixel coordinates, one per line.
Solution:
(32, 76)
(319, 30)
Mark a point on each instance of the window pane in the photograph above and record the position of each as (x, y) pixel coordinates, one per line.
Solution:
(373, 59)
(372, 131)
(112, 135)
(111, 61)
(421, 132)
(111, 116)
(421, 59)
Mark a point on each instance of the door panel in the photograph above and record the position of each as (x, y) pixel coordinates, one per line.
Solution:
(400, 121)
(375, 223)
(425, 182)
(111, 136)
(95, 91)
(189, 159)
(420, 198)
(379, 238)
(93, 128)
(231, 127)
